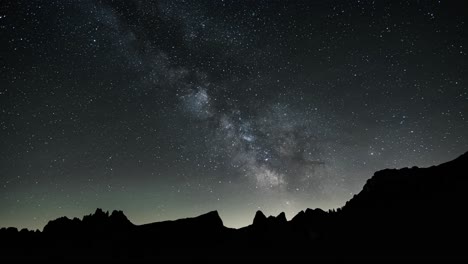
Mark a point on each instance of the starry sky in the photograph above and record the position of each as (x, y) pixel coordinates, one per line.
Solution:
(170, 109)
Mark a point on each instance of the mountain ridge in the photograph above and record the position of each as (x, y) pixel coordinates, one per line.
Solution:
(409, 212)
(378, 174)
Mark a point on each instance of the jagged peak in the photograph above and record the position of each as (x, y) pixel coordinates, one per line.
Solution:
(213, 213)
(314, 211)
(281, 217)
(100, 212)
(117, 213)
(259, 218)
(298, 216)
(212, 216)
(118, 216)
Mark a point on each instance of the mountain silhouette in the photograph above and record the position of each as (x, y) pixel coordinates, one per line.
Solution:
(400, 214)
(98, 223)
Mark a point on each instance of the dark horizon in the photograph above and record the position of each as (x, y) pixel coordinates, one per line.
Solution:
(254, 216)
(397, 216)
(168, 109)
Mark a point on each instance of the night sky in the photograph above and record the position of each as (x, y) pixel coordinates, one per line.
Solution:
(170, 109)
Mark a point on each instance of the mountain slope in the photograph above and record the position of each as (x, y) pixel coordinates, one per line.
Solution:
(441, 185)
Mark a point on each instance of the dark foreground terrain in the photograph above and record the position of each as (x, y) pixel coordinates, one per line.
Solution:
(411, 213)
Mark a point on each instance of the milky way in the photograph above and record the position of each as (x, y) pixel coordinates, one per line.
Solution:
(169, 109)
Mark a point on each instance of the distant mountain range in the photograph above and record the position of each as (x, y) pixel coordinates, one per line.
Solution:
(410, 213)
